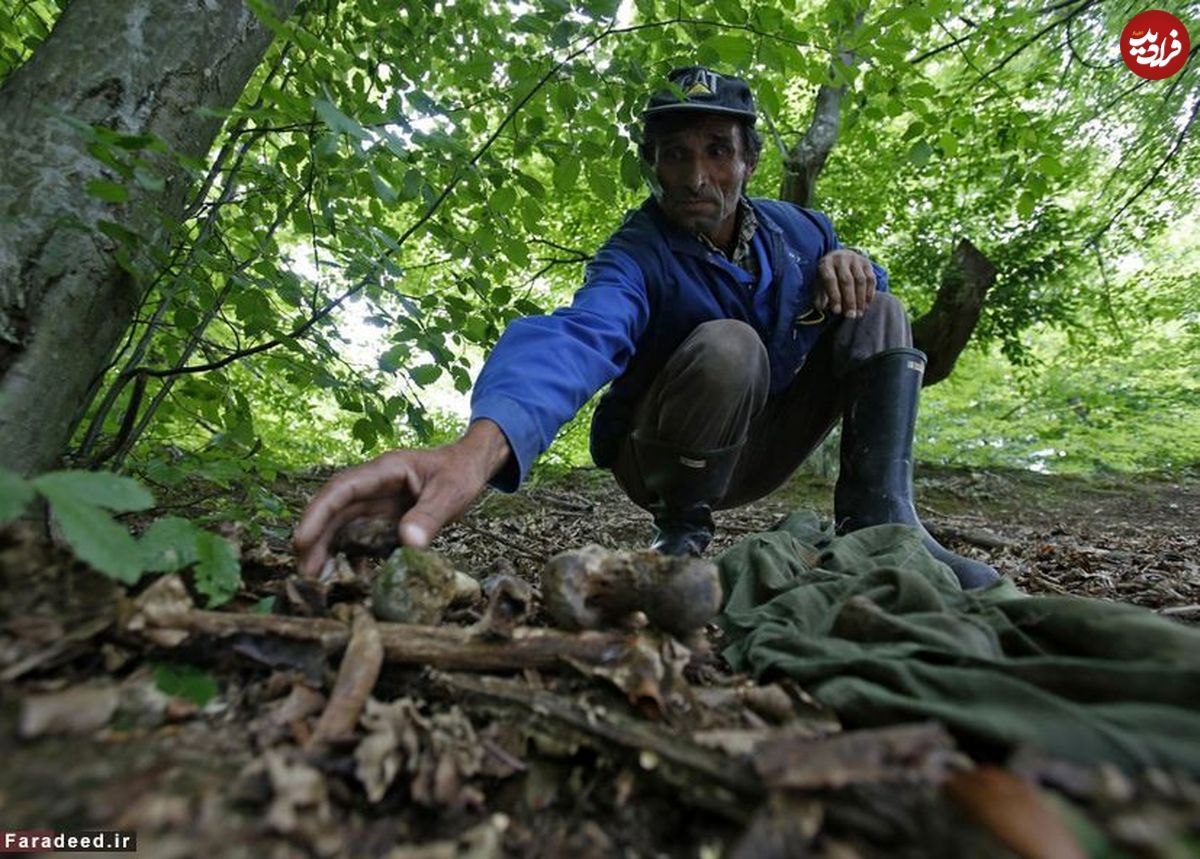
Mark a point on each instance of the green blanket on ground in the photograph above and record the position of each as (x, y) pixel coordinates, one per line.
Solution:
(876, 629)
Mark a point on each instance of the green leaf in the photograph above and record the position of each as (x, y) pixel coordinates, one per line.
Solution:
(393, 359)
(15, 495)
(109, 192)
(364, 431)
(266, 605)
(218, 571)
(169, 545)
(1025, 204)
(96, 537)
(383, 190)
(95, 488)
(185, 681)
(531, 185)
(338, 121)
(631, 171)
(566, 173)
(565, 97)
(503, 199)
(148, 179)
(426, 374)
(735, 51)
(602, 185)
(919, 153)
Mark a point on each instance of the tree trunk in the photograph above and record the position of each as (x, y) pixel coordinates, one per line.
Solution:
(804, 161)
(943, 332)
(161, 67)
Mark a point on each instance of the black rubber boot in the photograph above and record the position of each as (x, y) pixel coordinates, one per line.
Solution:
(874, 484)
(685, 484)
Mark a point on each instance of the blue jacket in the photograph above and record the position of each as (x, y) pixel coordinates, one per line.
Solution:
(646, 289)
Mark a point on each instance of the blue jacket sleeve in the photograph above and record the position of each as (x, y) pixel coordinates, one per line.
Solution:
(544, 368)
(832, 243)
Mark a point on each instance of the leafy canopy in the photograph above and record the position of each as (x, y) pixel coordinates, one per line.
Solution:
(427, 172)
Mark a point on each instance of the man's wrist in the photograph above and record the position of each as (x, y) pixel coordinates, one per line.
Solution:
(488, 445)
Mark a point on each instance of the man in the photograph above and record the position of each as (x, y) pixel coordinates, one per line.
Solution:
(735, 333)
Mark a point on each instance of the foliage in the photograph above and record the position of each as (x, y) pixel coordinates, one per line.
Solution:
(84, 504)
(398, 183)
(185, 681)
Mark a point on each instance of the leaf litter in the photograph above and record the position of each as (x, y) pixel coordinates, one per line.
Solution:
(639, 743)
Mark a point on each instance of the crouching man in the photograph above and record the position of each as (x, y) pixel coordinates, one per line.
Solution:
(736, 332)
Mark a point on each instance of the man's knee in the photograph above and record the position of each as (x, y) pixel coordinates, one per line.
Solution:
(886, 315)
(728, 354)
(883, 326)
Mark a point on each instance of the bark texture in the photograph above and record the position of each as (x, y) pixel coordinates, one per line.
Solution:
(943, 332)
(805, 161)
(162, 67)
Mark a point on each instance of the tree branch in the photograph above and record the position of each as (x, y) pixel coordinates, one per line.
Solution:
(1150, 180)
(807, 158)
(1038, 35)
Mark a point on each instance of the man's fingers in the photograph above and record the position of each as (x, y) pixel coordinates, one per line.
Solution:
(312, 556)
(829, 282)
(387, 476)
(864, 283)
(444, 499)
(847, 287)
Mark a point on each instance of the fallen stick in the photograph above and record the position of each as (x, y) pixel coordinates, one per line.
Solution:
(356, 678)
(163, 614)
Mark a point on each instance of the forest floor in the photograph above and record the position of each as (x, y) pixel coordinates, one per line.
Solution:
(542, 762)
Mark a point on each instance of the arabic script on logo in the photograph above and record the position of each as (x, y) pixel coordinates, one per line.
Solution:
(1155, 44)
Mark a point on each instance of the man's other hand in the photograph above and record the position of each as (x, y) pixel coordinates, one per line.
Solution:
(420, 490)
(846, 283)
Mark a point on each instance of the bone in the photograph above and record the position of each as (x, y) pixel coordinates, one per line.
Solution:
(591, 588)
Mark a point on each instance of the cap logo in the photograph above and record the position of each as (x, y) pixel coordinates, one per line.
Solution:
(700, 82)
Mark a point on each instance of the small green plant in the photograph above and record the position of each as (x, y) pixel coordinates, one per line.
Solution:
(84, 504)
(185, 681)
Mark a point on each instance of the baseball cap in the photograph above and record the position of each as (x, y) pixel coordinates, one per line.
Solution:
(703, 91)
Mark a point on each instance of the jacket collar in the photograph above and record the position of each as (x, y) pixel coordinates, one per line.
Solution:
(685, 243)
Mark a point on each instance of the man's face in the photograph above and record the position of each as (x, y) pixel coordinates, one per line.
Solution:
(701, 170)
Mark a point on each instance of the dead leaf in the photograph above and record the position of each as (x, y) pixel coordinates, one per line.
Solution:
(648, 669)
(77, 710)
(276, 651)
(1011, 809)
(155, 609)
(509, 602)
(286, 717)
(300, 805)
(437, 753)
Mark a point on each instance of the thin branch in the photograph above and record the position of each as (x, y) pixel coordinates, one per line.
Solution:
(933, 52)
(1150, 180)
(1038, 35)
(333, 304)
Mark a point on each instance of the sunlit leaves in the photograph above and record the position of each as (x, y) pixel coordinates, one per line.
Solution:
(384, 156)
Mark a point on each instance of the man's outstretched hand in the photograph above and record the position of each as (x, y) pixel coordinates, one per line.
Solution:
(420, 490)
(847, 283)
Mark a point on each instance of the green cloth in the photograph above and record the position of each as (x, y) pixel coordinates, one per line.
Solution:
(876, 629)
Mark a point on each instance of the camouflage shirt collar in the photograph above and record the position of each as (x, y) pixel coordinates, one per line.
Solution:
(747, 225)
